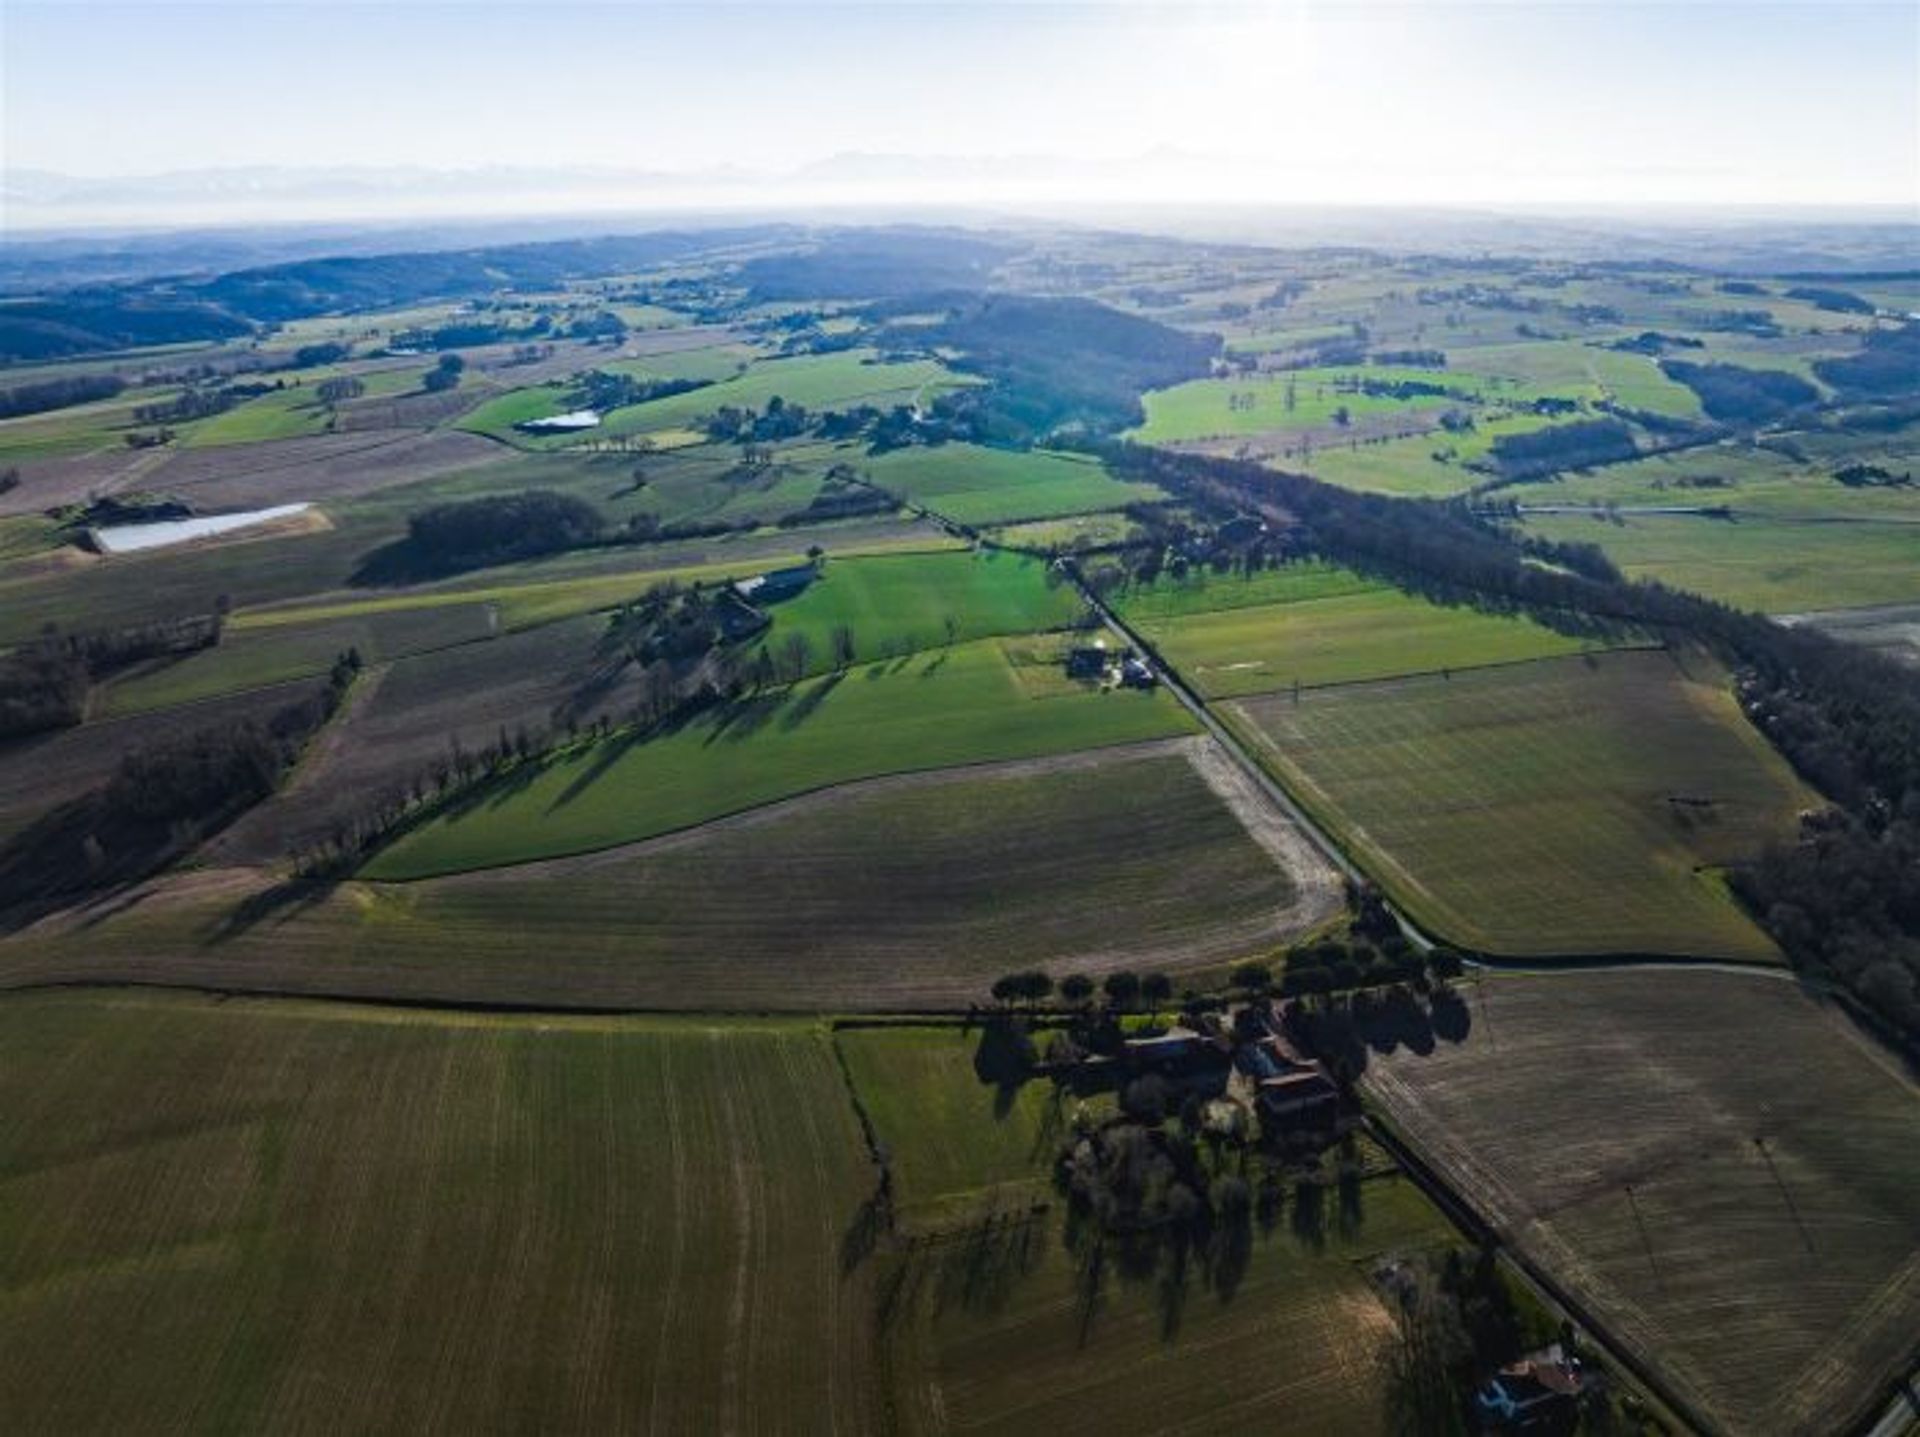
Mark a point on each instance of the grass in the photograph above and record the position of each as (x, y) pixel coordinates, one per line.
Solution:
(1351, 637)
(279, 1216)
(1722, 1167)
(904, 894)
(1557, 808)
(970, 484)
(901, 603)
(1248, 405)
(961, 705)
(955, 1138)
(1435, 465)
(1770, 565)
(1202, 591)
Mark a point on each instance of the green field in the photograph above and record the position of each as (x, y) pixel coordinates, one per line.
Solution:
(954, 1139)
(1555, 808)
(907, 893)
(970, 484)
(1366, 633)
(1202, 591)
(960, 705)
(1247, 405)
(898, 604)
(813, 381)
(1435, 465)
(278, 1217)
(1724, 1169)
(1773, 566)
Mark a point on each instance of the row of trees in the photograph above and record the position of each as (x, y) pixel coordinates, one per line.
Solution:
(46, 684)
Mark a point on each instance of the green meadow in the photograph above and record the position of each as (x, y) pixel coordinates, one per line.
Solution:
(930, 710)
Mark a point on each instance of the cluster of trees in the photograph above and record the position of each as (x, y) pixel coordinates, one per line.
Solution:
(1846, 717)
(46, 684)
(1459, 1322)
(1835, 301)
(1885, 365)
(600, 390)
(162, 801)
(1734, 394)
(733, 424)
(1653, 342)
(1872, 476)
(1121, 991)
(1330, 966)
(445, 375)
(1051, 363)
(48, 394)
(1539, 452)
(1410, 358)
(310, 356)
(499, 528)
(340, 389)
(200, 403)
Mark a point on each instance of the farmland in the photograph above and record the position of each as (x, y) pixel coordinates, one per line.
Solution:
(1020, 1328)
(970, 484)
(959, 705)
(896, 604)
(1352, 637)
(1729, 1174)
(1769, 565)
(1562, 807)
(894, 893)
(173, 1182)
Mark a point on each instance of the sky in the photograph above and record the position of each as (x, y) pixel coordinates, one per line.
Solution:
(1696, 102)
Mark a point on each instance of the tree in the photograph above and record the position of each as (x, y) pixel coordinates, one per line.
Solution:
(1157, 989)
(1253, 978)
(1077, 989)
(797, 654)
(1122, 989)
(445, 375)
(842, 645)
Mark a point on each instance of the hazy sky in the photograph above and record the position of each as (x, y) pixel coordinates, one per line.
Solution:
(1420, 102)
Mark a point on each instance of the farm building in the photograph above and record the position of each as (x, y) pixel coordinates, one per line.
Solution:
(1135, 674)
(1088, 661)
(1304, 1097)
(571, 422)
(1175, 1053)
(775, 585)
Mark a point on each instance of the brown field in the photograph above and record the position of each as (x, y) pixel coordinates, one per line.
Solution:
(415, 708)
(287, 1217)
(888, 894)
(315, 469)
(48, 769)
(1719, 1165)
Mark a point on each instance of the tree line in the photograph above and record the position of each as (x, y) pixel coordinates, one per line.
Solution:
(46, 684)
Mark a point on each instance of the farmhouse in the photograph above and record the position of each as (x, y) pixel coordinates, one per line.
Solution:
(571, 422)
(1538, 1392)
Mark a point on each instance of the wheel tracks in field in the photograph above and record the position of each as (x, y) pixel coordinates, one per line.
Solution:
(676, 1164)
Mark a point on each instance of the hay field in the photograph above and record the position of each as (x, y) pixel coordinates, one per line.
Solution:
(1563, 807)
(1775, 1282)
(897, 893)
(971, 484)
(955, 706)
(813, 381)
(280, 1217)
(1346, 638)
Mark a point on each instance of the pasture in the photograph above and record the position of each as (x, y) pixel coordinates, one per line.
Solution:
(1370, 633)
(902, 603)
(282, 1216)
(1728, 1173)
(899, 893)
(971, 484)
(1774, 566)
(1564, 807)
(959, 705)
